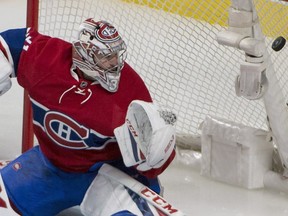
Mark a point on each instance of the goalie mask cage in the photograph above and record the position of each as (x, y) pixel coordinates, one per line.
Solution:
(172, 45)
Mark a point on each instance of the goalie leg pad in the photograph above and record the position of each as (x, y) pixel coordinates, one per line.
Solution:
(108, 197)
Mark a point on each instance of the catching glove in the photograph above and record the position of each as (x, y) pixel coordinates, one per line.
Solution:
(145, 139)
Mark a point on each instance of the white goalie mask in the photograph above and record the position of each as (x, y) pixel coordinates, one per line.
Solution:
(99, 53)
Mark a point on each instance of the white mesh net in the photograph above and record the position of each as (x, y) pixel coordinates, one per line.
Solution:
(172, 45)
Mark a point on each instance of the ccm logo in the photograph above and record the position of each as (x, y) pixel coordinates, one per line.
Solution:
(158, 200)
(131, 128)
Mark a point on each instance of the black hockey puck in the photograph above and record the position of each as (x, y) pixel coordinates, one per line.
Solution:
(278, 43)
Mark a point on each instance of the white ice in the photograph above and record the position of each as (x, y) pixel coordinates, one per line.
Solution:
(184, 186)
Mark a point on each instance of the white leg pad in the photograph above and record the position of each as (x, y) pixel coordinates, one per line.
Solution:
(106, 197)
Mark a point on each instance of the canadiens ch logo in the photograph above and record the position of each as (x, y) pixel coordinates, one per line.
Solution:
(65, 131)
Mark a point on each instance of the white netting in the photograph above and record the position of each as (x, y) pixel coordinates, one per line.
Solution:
(171, 44)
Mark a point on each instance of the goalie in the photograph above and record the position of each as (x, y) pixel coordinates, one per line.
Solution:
(78, 102)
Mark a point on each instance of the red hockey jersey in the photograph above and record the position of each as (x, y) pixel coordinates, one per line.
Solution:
(73, 118)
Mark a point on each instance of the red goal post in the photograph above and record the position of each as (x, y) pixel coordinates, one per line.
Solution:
(27, 129)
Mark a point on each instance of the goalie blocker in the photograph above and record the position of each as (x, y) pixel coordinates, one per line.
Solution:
(5, 73)
(145, 139)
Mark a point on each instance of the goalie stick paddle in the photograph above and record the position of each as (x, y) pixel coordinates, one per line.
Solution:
(143, 191)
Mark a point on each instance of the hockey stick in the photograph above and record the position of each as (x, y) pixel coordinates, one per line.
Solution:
(143, 191)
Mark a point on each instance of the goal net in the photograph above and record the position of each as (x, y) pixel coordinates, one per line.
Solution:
(171, 44)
